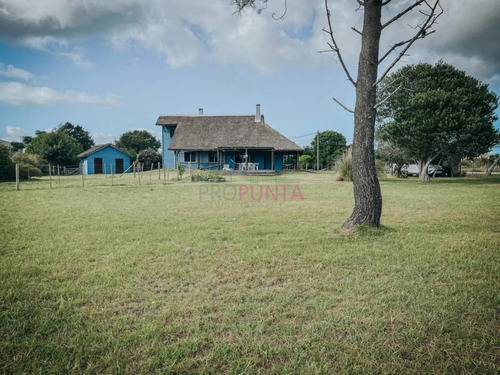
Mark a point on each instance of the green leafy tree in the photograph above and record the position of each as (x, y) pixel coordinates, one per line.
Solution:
(331, 145)
(55, 147)
(78, 133)
(438, 111)
(17, 146)
(7, 168)
(149, 156)
(305, 161)
(136, 141)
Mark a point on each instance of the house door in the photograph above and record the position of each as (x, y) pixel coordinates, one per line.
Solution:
(119, 165)
(97, 165)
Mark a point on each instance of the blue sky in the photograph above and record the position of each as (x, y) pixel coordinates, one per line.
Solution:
(117, 65)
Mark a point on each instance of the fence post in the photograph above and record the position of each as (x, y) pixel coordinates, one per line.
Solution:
(83, 179)
(17, 176)
(134, 164)
(50, 175)
(159, 171)
(151, 173)
(58, 174)
(190, 176)
(111, 170)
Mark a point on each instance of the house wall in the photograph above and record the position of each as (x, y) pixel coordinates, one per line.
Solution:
(108, 155)
(168, 157)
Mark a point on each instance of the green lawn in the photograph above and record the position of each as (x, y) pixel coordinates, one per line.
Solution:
(153, 279)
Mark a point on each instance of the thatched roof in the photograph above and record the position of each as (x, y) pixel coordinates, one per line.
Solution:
(203, 133)
(100, 147)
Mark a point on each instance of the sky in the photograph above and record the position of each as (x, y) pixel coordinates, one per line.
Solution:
(114, 66)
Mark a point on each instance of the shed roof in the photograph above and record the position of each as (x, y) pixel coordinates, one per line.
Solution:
(100, 147)
(203, 132)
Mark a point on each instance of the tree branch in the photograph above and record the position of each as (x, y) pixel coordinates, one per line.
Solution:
(398, 16)
(386, 2)
(387, 97)
(343, 106)
(422, 33)
(334, 45)
(356, 30)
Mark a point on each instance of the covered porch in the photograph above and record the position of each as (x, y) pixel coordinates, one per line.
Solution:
(255, 159)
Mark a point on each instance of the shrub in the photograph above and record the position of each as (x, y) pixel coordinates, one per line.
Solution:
(28, 170)
(181, 170)
(7, 169)
(30, 159)
(208, 177)
(343, 166)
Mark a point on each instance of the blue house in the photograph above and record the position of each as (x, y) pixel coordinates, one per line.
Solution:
(225, 142)
(100, 158)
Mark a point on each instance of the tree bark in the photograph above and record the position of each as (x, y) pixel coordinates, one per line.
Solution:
(423, 173)
(367, 194)
(492, 166)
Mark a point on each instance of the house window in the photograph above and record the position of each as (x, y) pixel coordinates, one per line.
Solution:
(189, 156)
(212, 157)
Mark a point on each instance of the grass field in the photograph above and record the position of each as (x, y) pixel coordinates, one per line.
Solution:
(164, 279)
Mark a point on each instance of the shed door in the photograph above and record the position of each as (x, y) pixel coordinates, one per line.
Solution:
(97, 165)
(119, 165)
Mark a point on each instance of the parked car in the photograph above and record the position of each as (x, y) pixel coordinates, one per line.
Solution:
(412, 170)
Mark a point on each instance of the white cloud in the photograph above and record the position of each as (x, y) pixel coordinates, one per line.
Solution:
(11, 71)
(187, 33)
(14, 133)
(101, 138)
(19, 93)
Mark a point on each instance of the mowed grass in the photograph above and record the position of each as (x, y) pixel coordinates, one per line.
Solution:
(177, 279)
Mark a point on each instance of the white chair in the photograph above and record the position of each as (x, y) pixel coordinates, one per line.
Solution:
(226, 167)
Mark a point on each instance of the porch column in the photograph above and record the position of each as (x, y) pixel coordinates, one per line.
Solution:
(272, 159)
(297, 161)
(198, 158)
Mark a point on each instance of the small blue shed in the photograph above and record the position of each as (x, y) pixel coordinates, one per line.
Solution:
(100, 158)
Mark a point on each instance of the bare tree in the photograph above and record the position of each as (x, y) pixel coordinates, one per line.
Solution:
(367, 195)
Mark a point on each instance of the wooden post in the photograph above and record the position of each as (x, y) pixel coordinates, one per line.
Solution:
(142, 170)
(151, 173)
(64, 170)
(83, 179)
(168, 171)
(190, 176)
(317, 151)
(111, 171)
(50, 175)
(17, 176)
(58, 174)
(134, 163)
(159, 171)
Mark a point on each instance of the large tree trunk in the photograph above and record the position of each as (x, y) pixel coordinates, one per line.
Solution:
(423, 173)
(492, 166)
(367, 195)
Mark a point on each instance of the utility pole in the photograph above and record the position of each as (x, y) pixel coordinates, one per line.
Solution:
(317, 151)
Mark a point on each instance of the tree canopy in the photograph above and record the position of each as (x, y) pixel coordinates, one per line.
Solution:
(136, 141)
(331, 145)
(79, 134)
(56, 147)
(437, 111)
